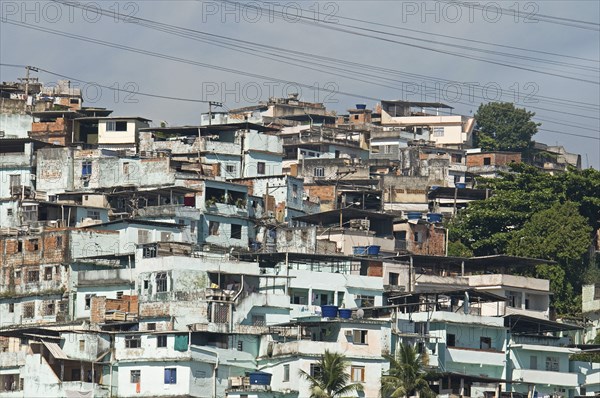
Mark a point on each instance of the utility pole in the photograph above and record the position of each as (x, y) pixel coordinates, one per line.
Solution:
(210, 105)
(27, 79)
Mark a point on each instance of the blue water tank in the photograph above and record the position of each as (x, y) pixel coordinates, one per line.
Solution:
(460, 185)
(359, 250)
(414, 215)
(345, 313)
(329, 311)
(434, 217)
(361, 106)
(373, 250)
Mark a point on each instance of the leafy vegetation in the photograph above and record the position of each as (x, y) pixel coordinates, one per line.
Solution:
(535, 214)
(332, 380)
(407, 375)
(502, 127)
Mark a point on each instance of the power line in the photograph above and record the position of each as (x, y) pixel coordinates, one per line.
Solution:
(204, 101)
(226, 43)
(176, 59)
(335, 27)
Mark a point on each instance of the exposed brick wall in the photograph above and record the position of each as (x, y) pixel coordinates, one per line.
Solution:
(496, 158)
(375, 268)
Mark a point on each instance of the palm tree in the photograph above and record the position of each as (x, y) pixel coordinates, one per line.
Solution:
(407, 375)
(332, 380)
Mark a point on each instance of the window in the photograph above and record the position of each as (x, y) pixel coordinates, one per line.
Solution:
(86, 168)
(357, 373)
(295, 191)
(11, 307)
(438, 131)
(113, 125)
(597, 291)
(366, 301)
(93, 214)
(514, 299)
(74, 101)
(286, 372)
(49, 308)
(393, 278)
(30, 214)
(359, 336)
(81, 345)
(236, 231)
(240, 345)
(126, 168)
(134, 376)
(58, 242)
(315, 370)
(230, 169)
(161, 282)
(170, 376)
(258, 320)
(119, 295)
(35, 244)
(33, 276)
(319, 172)
(533, 362)
(260, 168)
(161, 341)
(149, 251)
(88, 301)
(213, 228)
(133, 342)
(451, 340)
(552, 364)
(151, 326)
(143, 236)
(28, 310)
(48, 273)
(356, 117)
(9, 212)
(418, 236)
(192, 226)
(485, 343)
(19, 246)
(487, 161)
(15, 180)
(18, 274)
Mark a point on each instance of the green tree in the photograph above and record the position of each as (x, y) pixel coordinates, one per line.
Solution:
(407, 375)
(502, 126)
(332, 380)
(560, 234)
(535, 214)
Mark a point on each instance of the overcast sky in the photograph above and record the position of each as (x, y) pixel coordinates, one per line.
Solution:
(542, 54)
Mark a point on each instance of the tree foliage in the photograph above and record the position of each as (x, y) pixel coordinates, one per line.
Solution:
(332, 380)
(407, 375)
(502, 126)
(534, 214)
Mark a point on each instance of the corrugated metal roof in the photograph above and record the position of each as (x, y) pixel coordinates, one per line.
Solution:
(55, 350)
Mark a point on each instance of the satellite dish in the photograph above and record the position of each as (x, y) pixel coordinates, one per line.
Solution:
(360, 313)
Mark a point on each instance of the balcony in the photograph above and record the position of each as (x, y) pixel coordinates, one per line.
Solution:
(546, 377)
(475, 356)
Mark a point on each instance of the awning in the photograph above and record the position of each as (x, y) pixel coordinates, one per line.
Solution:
(55, 350)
